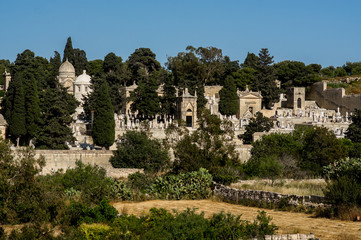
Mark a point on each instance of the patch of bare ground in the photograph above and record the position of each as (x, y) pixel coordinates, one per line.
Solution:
(288, 222)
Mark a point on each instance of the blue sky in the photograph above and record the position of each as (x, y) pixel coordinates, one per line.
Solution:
(317, 31)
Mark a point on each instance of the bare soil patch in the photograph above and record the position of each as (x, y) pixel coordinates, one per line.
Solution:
(323, 228)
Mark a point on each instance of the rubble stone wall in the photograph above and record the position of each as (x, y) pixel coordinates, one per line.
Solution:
(238, 195)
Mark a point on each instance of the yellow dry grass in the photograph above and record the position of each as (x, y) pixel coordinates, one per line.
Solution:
(325, 229)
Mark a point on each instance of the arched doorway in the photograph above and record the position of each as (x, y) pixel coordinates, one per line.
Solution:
(299, 103)
(189, 118)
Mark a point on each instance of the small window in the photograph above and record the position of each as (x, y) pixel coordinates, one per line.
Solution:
(299, 103)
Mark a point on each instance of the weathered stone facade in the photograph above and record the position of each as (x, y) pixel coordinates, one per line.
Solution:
(334, 98)
(64, 159)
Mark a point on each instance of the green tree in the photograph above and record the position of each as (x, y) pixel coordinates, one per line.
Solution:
(56, 106)
(103, 131)
(168, 100)
(320, 148)
(265, 79)
(112, 63)
(145, 98)
(208, 147)
(259, 123)
(80, 61)
(96, 67)
(244, 77)
(137, 150)
(354, 130)
(15, 111)
(55, 63)
(229, 101)
(142, 63)
(69, 51)
(251, 61)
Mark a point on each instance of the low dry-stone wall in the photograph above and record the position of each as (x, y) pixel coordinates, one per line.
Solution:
(291, 237)
(237, 195)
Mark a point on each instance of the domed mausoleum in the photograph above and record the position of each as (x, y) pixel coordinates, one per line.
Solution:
(66, 76)
(81, 88)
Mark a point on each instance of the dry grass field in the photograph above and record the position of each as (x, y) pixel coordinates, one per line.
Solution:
(289, 222)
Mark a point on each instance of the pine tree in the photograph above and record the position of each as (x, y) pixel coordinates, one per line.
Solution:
(265, 79)
(103, 131)
(229, 101)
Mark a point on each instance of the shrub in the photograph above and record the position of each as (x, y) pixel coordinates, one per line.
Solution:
(90, 180)
(121, 191)
(140, 181)
(191, 185)
(225, 175)
(137, 150)
(77, 213)
(94, 231)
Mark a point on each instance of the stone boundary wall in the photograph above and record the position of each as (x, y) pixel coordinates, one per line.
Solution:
(334, 98)
(291, 237)
(237, 195)
(64, 159)
(297, 236)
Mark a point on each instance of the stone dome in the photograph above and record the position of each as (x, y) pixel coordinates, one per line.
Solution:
(83, 79)
(66, 67)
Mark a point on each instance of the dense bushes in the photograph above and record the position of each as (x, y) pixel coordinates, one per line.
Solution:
(302, 153)
(191, 185)
(137, 150)
(343, 189)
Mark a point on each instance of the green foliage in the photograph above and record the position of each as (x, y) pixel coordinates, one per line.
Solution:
(251, 61)
(103, 131)
(140, 181)
(350, 167)
(77, 213)
(90, 180)
(120, 190)
(244, 77)
(145, 99)
(320, 148)
(191, 185)
(94, 231)
(294, 73)
(76, 56)
(257, 124)
(328, 72)
(210, 145)
(21, 195)
(344, 191)
(56, 106)
(265, 79)
(229, 100)
(137, 150)
(306, 150)
(142, 63)
(354, 130)
(225, 175)
(96, 67)
(160, 224)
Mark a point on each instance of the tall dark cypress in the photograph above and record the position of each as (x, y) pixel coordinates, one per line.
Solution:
(69, 51)
(17, 124)
(103, 131)
(229, 101)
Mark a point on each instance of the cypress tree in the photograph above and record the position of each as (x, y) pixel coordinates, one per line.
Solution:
(31, 106)
(103, 131)
(69, 51)
(55, 63)
(17, 125)
(229, 101)
(57, 106)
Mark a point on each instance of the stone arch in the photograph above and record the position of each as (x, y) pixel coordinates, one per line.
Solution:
(299, 103)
